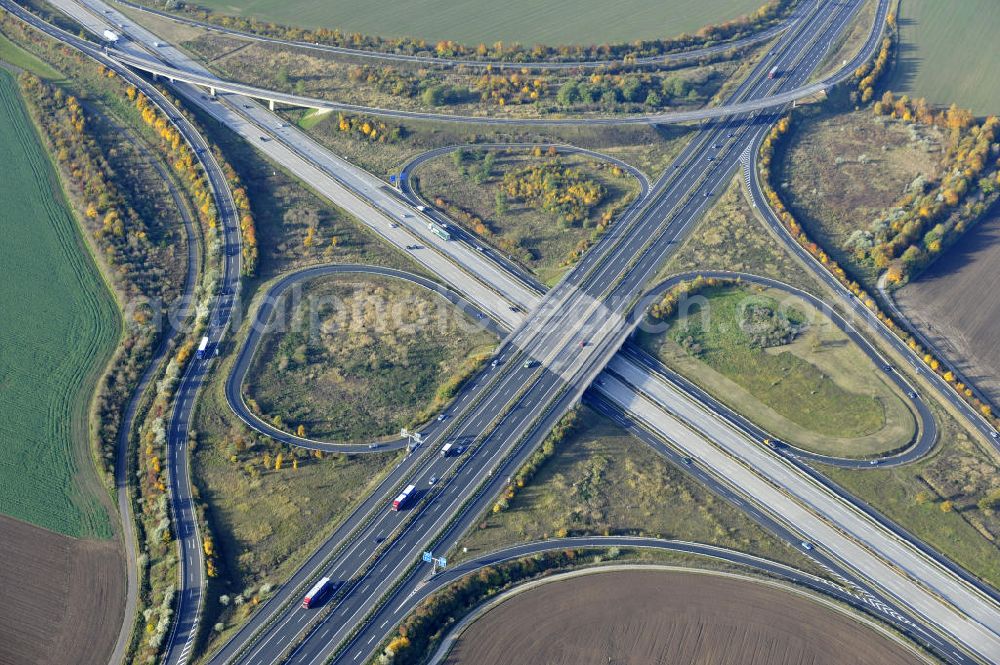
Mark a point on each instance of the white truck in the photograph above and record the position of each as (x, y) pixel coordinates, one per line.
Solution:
(111, 36)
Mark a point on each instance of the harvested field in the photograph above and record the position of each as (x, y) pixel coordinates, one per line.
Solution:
(63, 598)
(956, 305)
(669, 617)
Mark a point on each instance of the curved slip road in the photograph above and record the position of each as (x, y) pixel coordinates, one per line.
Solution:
(759, 201)
(926, 432)
(259, 327)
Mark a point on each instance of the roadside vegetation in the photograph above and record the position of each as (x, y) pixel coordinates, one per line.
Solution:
(638, 26)
(647, 148)
(591, 478)
(775, 357)
(360, 357)
(511, 91)
(541, 208)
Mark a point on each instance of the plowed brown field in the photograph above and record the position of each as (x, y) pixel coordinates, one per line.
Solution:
(61, 599)
(957, 305)
(655, 617)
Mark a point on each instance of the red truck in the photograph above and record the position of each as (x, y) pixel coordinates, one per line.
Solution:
(773, 73)
(404, 497)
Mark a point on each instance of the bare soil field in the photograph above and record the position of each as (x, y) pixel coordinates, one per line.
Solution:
(955, 304)
(669, 617)
(62, 598)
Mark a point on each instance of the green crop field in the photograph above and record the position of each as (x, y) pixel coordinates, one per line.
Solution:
(946, 51)
(474, 21)
(59, 324)
(13, 54)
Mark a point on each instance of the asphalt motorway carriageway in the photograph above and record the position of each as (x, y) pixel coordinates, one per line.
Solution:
(199, 76)
(536, 398)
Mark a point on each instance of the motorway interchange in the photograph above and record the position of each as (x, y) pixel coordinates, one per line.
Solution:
(570, 335)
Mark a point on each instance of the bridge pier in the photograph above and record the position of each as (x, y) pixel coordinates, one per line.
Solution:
(270, 104)
(211, 91)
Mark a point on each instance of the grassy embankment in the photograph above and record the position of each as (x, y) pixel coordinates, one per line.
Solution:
(602, 481)
(58, 329)
(782, 362)
(473, 182)
(383, 357)
(950, 500)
